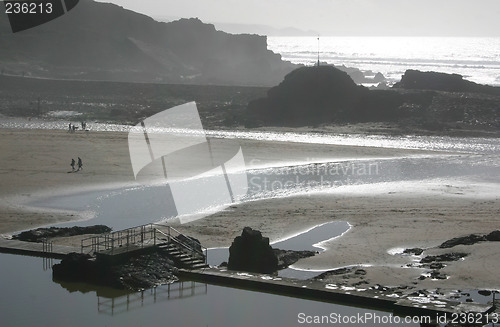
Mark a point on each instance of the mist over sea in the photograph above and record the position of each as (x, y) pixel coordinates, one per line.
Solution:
(476, 58)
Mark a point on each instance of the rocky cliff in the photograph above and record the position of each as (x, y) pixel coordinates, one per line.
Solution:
(102, 41)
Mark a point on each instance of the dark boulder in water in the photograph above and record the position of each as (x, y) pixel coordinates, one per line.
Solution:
(252, 252)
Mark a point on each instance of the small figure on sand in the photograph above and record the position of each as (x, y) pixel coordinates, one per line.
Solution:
(72, 164)
(70, 128)
(80, 164)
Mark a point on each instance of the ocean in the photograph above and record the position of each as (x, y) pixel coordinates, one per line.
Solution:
(476, 58)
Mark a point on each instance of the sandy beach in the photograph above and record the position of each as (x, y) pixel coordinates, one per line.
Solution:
(35, 164)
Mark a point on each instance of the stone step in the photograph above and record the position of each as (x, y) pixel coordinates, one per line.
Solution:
(187, 260)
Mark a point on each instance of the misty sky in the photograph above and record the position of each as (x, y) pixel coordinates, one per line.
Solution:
(339, 17)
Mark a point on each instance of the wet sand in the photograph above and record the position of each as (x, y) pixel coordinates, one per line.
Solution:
(35, 163)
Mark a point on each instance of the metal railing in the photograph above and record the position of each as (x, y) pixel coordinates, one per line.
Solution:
(185, 244)
(141, 236)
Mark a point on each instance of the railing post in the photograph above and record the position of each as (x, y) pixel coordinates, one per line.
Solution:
(154, 240)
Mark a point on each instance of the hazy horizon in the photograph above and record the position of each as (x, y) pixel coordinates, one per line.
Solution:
(339, 17)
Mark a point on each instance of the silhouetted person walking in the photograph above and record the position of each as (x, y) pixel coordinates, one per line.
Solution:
(73, 164)
(80, 164)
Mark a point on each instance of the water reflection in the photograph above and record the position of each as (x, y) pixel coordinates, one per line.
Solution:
(112, 301)
(29, 298)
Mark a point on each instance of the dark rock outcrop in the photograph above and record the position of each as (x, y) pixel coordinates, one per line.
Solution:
(359, 76)
(145, 271)
(252, 252)
(493, 236)
(414, 251)
(137, 273)
(37, 235)
(464, 240)
(444, 257)
(324, 95)
(414, 79)
(321, 95)
(471, 239)
(76, 267)
(306, 95)
(435, 274)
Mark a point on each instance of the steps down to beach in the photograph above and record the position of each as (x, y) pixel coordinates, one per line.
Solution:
(182, 258)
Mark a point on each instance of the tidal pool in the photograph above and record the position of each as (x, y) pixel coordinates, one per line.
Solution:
(31, 298)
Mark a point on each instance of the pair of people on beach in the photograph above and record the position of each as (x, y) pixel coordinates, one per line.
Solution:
(72, 128)
(80, 164)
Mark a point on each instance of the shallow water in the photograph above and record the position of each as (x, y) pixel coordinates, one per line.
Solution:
(30, 298)
(132, 206)
(438, 143)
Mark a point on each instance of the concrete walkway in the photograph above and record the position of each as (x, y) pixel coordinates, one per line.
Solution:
(35, 249)
(319, 291)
